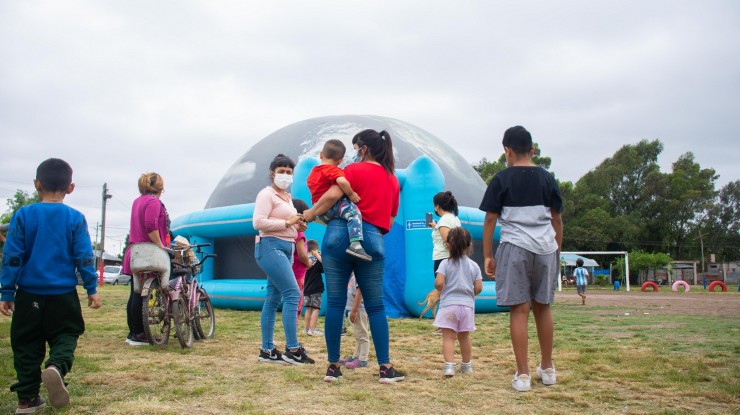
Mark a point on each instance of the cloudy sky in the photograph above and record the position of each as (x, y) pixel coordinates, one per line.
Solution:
(185, 88)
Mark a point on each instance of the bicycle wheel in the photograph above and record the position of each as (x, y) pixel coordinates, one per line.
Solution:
(205, 319)
(154, 315)
(183, 329)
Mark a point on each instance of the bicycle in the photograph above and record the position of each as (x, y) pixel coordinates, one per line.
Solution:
(152, 267)
(192, 309)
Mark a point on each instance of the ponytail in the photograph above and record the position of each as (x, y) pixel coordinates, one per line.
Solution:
(459, 242)
(446, 201)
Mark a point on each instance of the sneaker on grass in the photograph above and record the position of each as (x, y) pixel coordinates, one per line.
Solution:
(30, 406)
(521, 383)
(355, 363)
(547, 376)
(390, 375)
(449, 370)
(52, 380)
(466, 367)
(270, 356)
(333, 373)
(317, 332)
(297, 357)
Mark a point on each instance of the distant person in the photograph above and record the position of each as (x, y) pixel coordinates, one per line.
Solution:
(313, 289)
(325, 175)
(581, 276)
(301, 260)
(47, 243)
(359, 322)
(459, 280)
(278, 223)
(149, 223)
(375, 182)
(445, 207)
(527, 200)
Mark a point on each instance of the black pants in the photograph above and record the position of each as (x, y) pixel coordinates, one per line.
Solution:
(38, 320)
(133, 312)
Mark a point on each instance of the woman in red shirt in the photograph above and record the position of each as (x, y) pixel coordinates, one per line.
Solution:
(375, 182)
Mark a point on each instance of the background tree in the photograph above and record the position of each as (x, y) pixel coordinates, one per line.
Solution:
(487, 169)
(722, 224)
(20, 199)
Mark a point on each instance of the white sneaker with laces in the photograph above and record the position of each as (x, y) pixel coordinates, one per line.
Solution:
(521, 383)
(547, 375)
(449, 370)
(466, 367)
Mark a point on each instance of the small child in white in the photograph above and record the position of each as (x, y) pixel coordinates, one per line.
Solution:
(360, 324)
(459, 279)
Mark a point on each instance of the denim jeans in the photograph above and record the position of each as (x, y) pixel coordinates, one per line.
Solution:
(275, 256)
(338, 266)
(345, 209)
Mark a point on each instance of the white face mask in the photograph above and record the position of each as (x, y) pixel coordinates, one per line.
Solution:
(283, 180)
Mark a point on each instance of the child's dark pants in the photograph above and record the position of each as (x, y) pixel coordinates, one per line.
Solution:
(38, 319)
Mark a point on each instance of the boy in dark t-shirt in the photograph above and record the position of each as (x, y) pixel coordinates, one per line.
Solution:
(313, 288)
(525, 199)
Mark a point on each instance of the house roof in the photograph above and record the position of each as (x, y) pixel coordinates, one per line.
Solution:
(106, 256)
(570, 260)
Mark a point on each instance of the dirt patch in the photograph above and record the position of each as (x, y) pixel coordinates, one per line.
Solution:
(710, 304)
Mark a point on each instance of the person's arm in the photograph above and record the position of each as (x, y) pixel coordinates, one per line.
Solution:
(323, 205)
(355, 307)
(489, 226)
(300, 249)
(439, 282)
(443, 232)
(557, 224)
(347, 189)
(82, 255)
(478, 287)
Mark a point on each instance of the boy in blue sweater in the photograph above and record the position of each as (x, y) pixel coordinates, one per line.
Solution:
(46, 243)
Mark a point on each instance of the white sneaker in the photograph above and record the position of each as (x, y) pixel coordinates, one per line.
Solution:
(317, 332)
(309, 332)
(521, 383)
(449, 370)
(548, 375)
(466, 368)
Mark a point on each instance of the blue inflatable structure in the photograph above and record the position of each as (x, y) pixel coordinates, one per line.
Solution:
(235, 281)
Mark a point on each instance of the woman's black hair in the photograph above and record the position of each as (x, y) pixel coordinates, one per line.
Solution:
(459, 242)
(446, 201)
(281, 160)
(300, 205)
(379, 145)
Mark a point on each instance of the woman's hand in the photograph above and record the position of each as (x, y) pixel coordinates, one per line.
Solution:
(296, 220)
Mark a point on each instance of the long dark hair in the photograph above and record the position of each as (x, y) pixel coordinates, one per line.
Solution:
(459, 242)
(446, 201)
(379, 145)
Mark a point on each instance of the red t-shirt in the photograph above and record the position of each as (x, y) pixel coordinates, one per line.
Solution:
(321, 178)
(378, 190)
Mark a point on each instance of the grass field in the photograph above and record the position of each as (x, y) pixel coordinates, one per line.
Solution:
(622, 353)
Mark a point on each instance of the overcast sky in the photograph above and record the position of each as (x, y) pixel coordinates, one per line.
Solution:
(185, 88)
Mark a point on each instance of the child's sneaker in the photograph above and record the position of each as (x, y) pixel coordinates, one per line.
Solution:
(30, 406)
(297, 357)
(390, 375)
(466, 367)
(354, 363)
(333, 373)
(58, 394)
(347, 360)
(356, 250)
(547, 376)
(521, 383)
(449, 370)
(317, 332)
(270, 356)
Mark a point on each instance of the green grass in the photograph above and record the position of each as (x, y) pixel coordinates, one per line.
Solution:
(662, 362)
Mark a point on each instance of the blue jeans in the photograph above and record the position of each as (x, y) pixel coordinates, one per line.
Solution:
(275, 257)
(338, 266)
(345, 209)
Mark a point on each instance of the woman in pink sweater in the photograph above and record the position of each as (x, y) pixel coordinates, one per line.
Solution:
(278, 224)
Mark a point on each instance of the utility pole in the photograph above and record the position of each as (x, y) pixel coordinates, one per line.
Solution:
(106, 196)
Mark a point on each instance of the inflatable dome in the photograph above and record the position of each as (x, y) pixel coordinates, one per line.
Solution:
(425, 165)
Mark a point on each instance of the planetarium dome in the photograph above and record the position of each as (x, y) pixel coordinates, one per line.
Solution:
(249, 174)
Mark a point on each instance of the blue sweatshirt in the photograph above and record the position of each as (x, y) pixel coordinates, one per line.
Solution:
(45, 244)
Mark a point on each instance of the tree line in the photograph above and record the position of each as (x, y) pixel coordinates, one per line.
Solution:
(627, 204)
